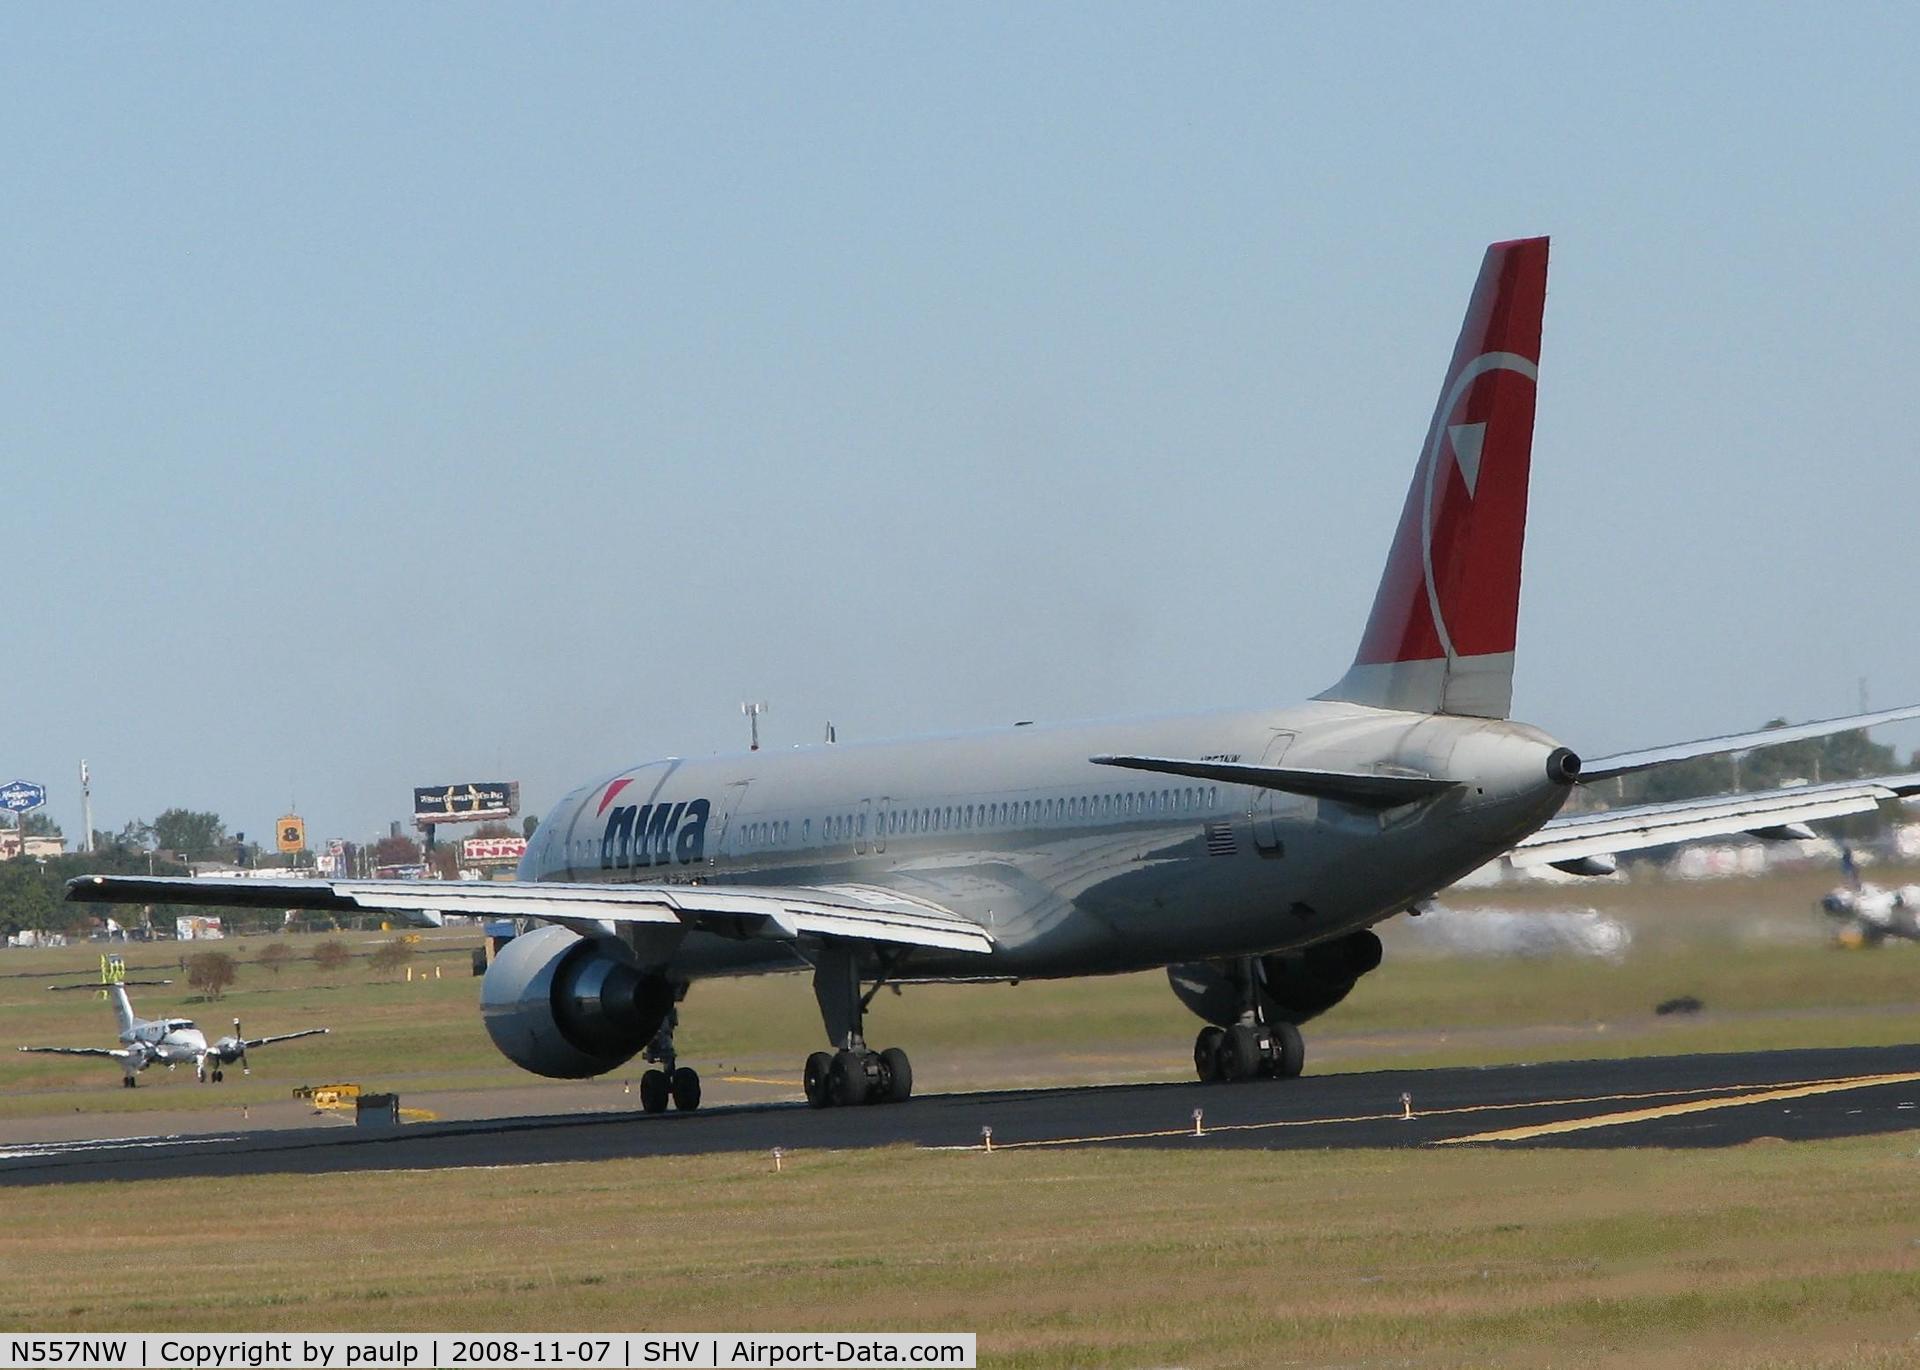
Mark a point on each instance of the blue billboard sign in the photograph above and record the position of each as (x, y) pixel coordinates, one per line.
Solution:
(18, 796)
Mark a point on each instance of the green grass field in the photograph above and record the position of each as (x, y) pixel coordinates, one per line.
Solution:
(1419, 1009)
(1765, 1255)
(1769, 1254)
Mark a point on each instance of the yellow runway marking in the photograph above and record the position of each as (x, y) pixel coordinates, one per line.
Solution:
(1788, 1090)
(754, 1080)
(1643, 1115)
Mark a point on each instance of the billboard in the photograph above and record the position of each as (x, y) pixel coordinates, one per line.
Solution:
(492, 851)
(466, 803)
(198, 929)
(291, 833)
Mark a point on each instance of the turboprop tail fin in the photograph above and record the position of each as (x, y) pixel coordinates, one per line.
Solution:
(1440, 638)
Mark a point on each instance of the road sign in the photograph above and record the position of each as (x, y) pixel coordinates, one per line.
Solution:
(19, 796)
(291, 831)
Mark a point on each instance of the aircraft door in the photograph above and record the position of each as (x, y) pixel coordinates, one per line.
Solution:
(729, 806)
(1270, 807)
(860, 821)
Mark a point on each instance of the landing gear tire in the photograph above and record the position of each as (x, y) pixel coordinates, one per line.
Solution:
(129, 1082)
(849, 1082)
(815, 1076)
(1206, 1053)
(1291, 1052)
(1241, 1053)
(897, 1071)
(654, 1091)
(684, 1085)
(219, 1076)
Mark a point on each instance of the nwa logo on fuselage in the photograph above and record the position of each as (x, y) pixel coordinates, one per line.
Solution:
(660, 834)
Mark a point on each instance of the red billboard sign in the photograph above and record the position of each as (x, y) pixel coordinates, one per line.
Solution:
(492, 851)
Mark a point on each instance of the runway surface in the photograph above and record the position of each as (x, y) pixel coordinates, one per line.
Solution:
(1663, 1101)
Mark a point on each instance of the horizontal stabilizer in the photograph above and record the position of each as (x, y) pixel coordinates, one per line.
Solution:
(1363, 789)
(1608, 832)
(1625, 763)
(99, 988)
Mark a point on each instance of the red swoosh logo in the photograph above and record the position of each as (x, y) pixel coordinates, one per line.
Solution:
(612, 790)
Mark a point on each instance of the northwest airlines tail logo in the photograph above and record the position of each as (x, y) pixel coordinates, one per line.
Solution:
(1468, 441)
(662, 834)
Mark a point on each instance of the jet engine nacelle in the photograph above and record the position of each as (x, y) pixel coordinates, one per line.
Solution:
(1292, 986)
(566, 1006)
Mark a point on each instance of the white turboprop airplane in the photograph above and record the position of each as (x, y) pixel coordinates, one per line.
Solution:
(1867, 914)
(1247, 852)
(168, 1041)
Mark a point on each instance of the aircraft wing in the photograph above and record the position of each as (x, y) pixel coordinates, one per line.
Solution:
(1608, 832)
(854, 912)
(81, 1051)
(252, 1042)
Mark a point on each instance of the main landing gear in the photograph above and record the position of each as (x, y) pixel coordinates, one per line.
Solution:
(1252, 1048)
(668, 1082)
(854, 1074)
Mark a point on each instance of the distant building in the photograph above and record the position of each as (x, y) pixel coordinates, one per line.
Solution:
(36, 846)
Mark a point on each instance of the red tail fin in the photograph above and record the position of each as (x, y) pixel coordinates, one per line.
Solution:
(1441, 636)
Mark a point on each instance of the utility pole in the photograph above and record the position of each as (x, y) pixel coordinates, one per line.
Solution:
(753, 712)
(86, 808)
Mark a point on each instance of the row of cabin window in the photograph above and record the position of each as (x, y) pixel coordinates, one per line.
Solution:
(909, 822)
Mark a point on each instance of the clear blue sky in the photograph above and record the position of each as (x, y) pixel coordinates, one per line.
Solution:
(395, 395)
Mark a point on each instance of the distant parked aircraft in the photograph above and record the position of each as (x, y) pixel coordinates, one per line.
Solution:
(1869, 914)
(169, 1041)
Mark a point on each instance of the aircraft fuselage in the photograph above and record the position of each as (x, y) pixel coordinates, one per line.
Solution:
(1073, 867)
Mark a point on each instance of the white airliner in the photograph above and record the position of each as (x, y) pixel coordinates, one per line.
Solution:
(1248, 852)
(169, 1042)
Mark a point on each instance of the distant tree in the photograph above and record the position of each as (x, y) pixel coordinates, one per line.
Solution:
(275, 955)
(393, 955)
(211, 972)
(40, 825)
(1681, 780)
(331, 954)
(494, 830)
(444, 862)
(135, 836)
(193, 834)
(1840, 756)
(531, 823)
(27, 898)
(396, 851)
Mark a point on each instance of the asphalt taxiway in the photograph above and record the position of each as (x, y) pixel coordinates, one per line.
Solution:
(1661, 1101)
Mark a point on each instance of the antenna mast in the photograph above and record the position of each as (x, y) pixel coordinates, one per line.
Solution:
(753, 712)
